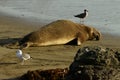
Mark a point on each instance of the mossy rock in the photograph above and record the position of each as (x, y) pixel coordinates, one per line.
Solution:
(95, 63)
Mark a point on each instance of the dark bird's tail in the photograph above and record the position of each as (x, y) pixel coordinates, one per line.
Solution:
(75, 15)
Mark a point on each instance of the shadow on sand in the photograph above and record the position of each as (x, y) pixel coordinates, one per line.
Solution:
(6, 63)
(10, 42)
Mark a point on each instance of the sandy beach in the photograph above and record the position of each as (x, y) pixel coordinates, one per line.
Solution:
(60, 56)
(20, 17)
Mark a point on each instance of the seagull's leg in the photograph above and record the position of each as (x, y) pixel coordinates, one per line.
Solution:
(22, 63)
(83, 21)
(80, 20)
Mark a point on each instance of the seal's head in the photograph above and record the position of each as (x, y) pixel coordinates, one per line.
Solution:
(94, 34)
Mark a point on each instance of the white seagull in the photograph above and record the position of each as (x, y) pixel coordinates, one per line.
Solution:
(22, 56)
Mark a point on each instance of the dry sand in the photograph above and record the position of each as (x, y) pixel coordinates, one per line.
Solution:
(48, 57)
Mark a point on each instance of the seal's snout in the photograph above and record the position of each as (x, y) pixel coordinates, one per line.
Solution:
(97, 37)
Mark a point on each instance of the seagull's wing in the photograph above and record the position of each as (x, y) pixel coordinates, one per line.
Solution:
(26, 56)
(77, 15)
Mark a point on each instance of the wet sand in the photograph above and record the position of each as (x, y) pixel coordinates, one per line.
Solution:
(59, 56)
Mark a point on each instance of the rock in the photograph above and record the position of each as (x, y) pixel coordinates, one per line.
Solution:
(50, 74)
(95, 63)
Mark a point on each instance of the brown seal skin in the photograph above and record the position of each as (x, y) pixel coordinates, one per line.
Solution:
(60, 32)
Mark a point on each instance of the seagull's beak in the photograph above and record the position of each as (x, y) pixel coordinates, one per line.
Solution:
(31, 57)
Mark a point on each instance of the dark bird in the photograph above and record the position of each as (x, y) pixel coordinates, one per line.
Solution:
(82, 16)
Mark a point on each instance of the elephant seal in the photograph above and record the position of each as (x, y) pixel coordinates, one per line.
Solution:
(60, 32)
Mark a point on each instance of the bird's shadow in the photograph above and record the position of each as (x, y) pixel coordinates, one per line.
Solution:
(10, 42)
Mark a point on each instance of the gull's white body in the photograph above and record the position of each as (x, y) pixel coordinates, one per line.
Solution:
(22, 56)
